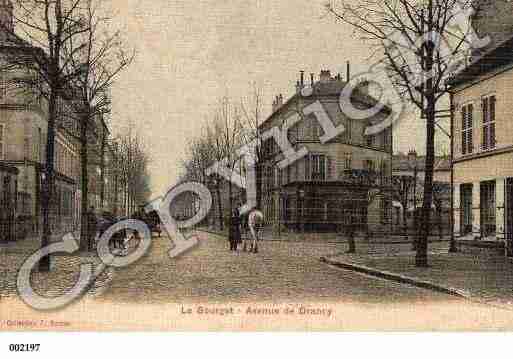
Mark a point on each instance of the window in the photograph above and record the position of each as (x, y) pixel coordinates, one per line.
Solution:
(488, 208)
(467, 143)
(3, 86)
(39, 145)
(370, 140)
(318, 167)
(66, 203)
(488, 106)
(369, 165)
(387, 139)
(466, 208)
(318, 132)
(2, 130)
(348, 159)
(27, 153)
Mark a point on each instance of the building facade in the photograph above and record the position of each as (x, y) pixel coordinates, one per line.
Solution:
(483, 147)
(345, 178)
(23, 143)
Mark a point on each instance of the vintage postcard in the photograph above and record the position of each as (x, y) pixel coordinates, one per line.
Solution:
(293, 165)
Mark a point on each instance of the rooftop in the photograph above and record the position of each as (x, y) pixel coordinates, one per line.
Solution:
(493, 58)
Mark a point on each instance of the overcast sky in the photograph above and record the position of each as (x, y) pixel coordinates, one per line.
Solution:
(191, 53)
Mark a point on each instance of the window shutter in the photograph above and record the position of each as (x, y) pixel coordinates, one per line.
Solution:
(484, 106)
(492, 124)
(492, 108)
(470, 121)
(307, 167)
(492, 135)
(463, 117)
(470, 116)
(2, 141)
(329, 168)
(485, 137)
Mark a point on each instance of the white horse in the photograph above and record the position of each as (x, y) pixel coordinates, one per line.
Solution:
(255, 222)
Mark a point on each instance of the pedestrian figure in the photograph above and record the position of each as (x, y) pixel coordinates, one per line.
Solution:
(92, 225)
(350, 224)
(255, 220)
(234, 234)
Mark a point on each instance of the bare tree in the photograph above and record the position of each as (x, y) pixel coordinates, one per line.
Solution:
(251, 108)
(132, 162)
(100, 57)
(42, 29)
(225, 134)
(414, 36)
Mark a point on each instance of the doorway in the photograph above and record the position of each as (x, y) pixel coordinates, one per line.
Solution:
(466, 208)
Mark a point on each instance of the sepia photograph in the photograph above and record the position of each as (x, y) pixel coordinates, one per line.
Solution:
(242, 166)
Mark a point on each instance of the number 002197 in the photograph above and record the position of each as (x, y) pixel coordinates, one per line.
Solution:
(24, 347)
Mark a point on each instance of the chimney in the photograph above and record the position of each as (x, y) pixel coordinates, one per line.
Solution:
(280, 100)
(311, 79)
(302, 78)
(325, 76)
(348, 72)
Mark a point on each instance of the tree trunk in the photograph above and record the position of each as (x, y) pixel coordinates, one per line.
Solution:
(421, 259)
(230, 198)
(44, 263)
(258, 180)
(84, 182)
(102, 174)
(219, 208)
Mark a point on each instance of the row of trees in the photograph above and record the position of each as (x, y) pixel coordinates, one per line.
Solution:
(233, 125)
(67, 52)
(130, 165)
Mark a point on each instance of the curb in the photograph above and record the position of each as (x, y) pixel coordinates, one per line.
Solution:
(398, 278)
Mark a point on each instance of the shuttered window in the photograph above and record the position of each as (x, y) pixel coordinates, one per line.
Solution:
(318, 167)
(488, 135)
(2, 130)
(467, 143)
(3, 86)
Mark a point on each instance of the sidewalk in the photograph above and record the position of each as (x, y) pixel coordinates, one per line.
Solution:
(63, 275)
(481, 278)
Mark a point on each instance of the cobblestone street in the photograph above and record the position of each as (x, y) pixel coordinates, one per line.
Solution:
(282, 271)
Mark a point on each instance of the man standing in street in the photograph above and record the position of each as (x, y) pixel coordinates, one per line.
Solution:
(234, 234)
